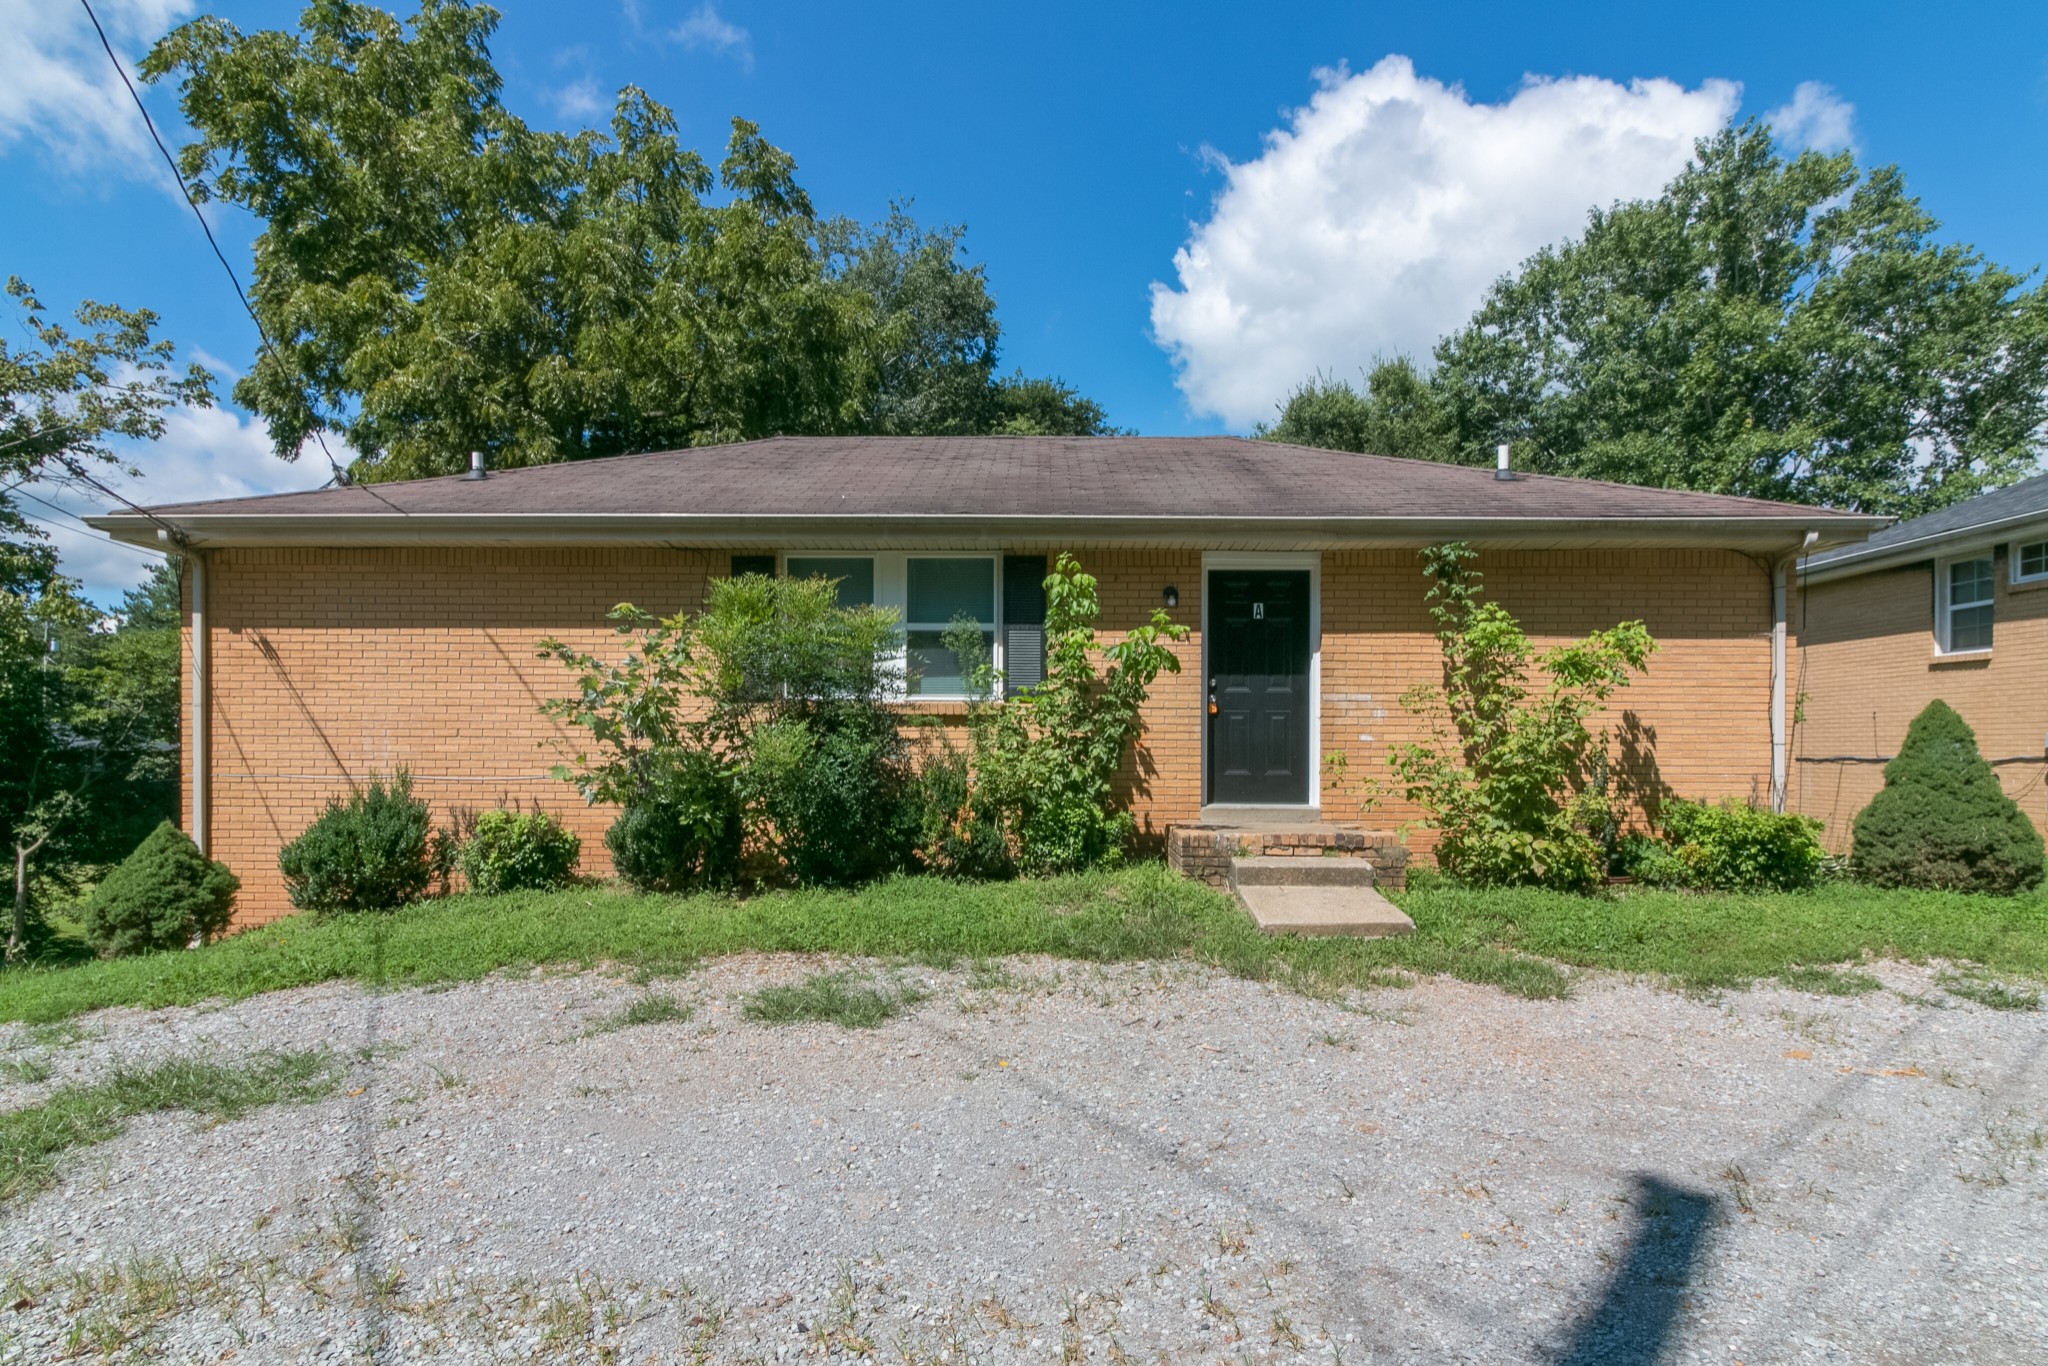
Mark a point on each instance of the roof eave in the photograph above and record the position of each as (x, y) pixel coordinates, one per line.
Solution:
(1935, 545)
(1775, 534)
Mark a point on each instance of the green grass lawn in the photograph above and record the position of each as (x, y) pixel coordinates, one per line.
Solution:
(1521, 941)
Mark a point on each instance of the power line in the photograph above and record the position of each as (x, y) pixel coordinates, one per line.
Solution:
(66, 512)
(262, 332)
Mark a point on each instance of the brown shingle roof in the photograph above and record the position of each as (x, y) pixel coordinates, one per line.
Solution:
(1202, 478)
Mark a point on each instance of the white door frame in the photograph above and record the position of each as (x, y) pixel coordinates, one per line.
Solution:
(1312, 561)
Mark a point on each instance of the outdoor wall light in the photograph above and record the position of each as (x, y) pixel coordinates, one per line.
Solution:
(1172, 596)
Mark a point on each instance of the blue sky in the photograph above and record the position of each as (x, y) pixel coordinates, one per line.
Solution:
(1183, 209)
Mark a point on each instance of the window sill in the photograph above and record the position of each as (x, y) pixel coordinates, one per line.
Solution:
(2029, 585)
(1960, 657)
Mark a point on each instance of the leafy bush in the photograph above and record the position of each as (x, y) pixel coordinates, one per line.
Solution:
(1044, 763)
(958, 835)
(373, 852)
(775, 703)
(513, 850)
(681, 827)
(1942, 821)
(1510, 774)
(165, 895)
(1729, 847)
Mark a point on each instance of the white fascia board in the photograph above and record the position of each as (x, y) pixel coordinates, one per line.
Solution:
(1756, 534)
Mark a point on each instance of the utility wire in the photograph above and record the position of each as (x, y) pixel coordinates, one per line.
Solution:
(262, 332)
(66, 512)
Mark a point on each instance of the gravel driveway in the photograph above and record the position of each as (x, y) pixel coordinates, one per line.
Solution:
(1052, 1162)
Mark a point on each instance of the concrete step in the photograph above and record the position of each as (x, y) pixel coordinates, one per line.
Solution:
(1358, 911)
(1304, 870)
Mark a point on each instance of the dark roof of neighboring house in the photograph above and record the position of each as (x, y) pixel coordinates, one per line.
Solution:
(1923, 537)
(1109, 484)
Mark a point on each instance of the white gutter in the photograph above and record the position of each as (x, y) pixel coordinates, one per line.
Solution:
(1780, 742)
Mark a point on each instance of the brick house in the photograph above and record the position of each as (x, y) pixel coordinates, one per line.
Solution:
(347, 631)
(1952, 605)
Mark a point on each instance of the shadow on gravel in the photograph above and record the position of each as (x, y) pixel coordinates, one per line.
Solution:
(1631, 1322)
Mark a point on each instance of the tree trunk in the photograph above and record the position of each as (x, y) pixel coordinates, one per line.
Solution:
(17, 931)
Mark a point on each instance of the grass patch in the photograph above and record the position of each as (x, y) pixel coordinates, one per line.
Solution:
(1523, 941)
(652, 1008)
(32, 1138)
(1996, 995)
(1830, 981)
(29, 1070)
(835, 997)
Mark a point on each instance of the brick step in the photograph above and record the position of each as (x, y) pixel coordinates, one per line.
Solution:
(1292, 870)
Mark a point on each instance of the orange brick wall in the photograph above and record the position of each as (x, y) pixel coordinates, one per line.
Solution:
(1697, 724)
(1865, 665)
(329, 665)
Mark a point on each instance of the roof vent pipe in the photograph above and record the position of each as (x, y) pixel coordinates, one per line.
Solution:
(1500, 462)
(476, 466)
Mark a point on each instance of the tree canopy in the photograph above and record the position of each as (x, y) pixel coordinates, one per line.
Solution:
(88, 715)
(1780, 328)
(435, 276)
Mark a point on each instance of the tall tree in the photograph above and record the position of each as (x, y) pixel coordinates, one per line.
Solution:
(1396, 413)
(64, 733)
(437, 277)
(1781, 328)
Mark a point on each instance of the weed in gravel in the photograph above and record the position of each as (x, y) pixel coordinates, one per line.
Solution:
(1738, 1183)
(1986, 992)
(1812, 1028)
(26, 1070)
(31, 1138)
(1829, 982)
(652, 1008)
(834, 997)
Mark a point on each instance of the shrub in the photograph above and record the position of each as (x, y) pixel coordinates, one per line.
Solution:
(776, 696)
(681, 828)
(1728, 847)
(165, 895)
(373, 852)
(1510, 773)
(512, 850)
(1942, 821)
(958, 835)
(1045, 762)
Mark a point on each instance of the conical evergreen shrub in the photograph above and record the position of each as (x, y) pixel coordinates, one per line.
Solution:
(1942, 821)
(163, 896)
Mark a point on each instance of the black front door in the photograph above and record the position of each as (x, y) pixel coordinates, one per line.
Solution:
(1258, 687)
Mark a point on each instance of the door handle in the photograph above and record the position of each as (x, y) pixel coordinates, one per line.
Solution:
(1212, 697)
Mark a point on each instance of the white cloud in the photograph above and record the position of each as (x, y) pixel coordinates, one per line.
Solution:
(61, 94)
(1817, 119)
(1374, 222)
(705, 31)
(579, 99)
(203, 453)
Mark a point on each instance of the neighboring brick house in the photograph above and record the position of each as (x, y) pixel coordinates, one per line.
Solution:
(1952, 605)
(349, 631)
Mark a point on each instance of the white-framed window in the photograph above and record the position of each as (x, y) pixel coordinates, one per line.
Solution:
(2029, 561)
(939, 590)
(929, 591)
(1963, 607)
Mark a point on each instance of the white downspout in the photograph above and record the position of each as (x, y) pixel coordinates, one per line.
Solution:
(1780, 745)
(202, 699)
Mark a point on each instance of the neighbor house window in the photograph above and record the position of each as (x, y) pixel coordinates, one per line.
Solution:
(2030, 561)
(1966, 605)
(938, 592)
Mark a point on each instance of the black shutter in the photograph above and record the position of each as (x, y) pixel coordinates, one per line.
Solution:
(764, 565)
(1023, 622)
